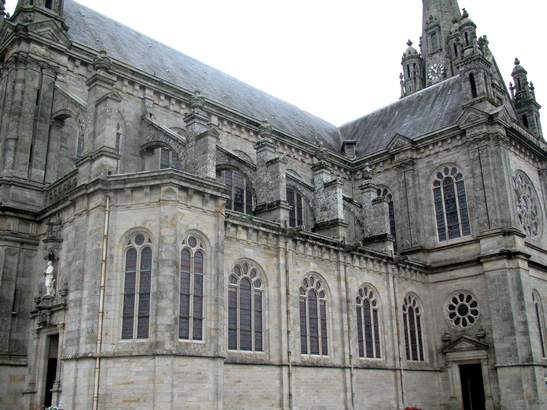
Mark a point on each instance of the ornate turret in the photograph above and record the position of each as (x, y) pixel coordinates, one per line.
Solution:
(412, 63)
(525, 100)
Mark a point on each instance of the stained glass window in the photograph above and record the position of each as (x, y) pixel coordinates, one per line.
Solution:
(412, 323)
(450, 204)
(241, 198)
(368, 327)
(191, 289)
(296, 213)
(313, 317)
(245, 308)
(137, 288)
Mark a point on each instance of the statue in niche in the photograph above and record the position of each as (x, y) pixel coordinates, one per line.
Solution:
(49, 279)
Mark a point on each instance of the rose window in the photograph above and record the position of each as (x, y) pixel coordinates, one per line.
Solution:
(462, 310)
(527, 204)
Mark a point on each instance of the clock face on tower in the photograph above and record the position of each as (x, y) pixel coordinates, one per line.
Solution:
(435, 72)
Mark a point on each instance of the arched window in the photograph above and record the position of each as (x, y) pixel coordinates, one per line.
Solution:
(385, 193)
(191, 289)
(245, 301)
(313, 317)
(296, 213)
(368, 323)
(450, 204)
(540, 320)
(136, 293)
(241, 198)
(412, 322)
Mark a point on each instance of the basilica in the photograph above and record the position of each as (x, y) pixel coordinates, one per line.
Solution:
(173, 238)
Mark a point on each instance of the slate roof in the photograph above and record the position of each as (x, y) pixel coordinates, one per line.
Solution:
(427, 110)
(96, 31)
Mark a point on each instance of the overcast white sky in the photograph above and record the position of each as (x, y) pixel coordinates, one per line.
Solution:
(338, 60)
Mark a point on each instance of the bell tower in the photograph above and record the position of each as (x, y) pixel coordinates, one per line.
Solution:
(438, 20)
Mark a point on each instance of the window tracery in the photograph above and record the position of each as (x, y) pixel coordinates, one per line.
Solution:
(245, 308)
(412, 323)
(527, 204)
(191, 292)
(137, 287)
(313, 317)
(368, 323)
(450, 204)
(462, 310)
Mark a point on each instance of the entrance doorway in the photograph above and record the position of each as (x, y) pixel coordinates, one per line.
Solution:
(51, 369)
(472, 386)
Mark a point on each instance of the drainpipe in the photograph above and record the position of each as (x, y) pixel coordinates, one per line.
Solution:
(348, 309)
(288, 302)
(401, 371)
(101, 308)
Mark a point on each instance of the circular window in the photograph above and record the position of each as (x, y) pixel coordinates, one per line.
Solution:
(527, 204)
(462, 310)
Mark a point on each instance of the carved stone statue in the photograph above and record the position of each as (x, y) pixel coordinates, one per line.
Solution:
(49, 279)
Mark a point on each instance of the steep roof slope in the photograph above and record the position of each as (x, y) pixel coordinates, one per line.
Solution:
(96, 31)
(428, 110)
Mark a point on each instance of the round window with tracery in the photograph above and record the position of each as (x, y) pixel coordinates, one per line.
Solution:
(527, 204)
(462, 310)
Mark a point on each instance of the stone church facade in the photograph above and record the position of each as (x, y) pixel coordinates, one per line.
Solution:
(172, 238)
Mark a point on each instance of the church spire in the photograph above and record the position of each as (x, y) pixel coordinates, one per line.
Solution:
(439, 17)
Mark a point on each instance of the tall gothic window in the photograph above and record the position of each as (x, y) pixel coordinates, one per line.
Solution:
(296, 213)
(191, 289)
(245, 311)
(385, 193)
(241, 198)
(450, 204)
(412, 323)
(313, 317)
(136, 294)
(368, 326)
(540, 320)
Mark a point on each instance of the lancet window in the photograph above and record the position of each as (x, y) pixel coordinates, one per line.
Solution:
(191, 291)
(137, 287)
(412, 324)
(245, 308)
(313, 317)
(368, 322)
(450, 204)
